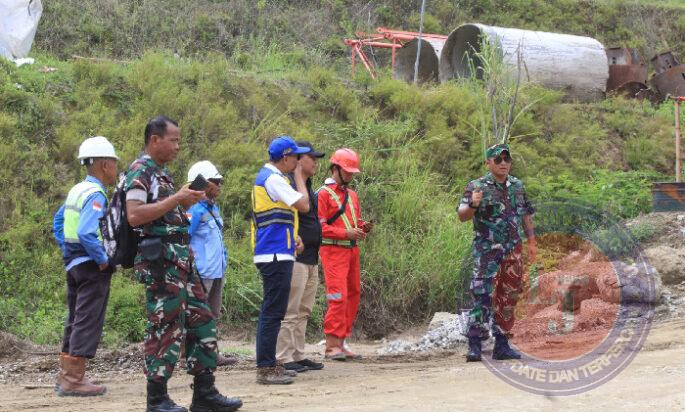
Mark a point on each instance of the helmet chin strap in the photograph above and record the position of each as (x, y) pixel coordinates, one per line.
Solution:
(344, 183)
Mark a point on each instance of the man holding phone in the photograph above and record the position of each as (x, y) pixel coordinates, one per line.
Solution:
(342, 227)
(176, 306)
(502, 215)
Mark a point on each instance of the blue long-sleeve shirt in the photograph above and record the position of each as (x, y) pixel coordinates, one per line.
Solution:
(87, 231)
(206, 240)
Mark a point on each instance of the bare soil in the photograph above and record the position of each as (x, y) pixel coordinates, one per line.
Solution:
(440, 381)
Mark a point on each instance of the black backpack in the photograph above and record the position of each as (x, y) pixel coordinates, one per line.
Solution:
(119, 238)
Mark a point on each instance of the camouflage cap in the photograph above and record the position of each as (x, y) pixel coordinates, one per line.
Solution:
(495, 150)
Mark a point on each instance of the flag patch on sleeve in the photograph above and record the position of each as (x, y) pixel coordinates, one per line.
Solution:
(97, 206)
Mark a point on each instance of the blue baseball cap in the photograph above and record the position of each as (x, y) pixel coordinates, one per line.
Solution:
(285, 145)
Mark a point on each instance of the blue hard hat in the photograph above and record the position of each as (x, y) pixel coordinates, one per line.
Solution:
(285, 145)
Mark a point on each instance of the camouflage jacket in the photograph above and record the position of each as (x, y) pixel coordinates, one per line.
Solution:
(148, 182)
(498, 221)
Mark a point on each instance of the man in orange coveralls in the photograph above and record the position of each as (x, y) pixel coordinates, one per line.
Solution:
(341, 227)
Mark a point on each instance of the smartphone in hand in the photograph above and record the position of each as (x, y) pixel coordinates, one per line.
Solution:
(200, 183)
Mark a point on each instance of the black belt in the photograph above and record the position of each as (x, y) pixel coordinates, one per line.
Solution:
(176, 238)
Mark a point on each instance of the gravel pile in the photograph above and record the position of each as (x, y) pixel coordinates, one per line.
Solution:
(449, 335)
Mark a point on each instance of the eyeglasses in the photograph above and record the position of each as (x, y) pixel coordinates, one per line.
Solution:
(217, 182)
(502, 158)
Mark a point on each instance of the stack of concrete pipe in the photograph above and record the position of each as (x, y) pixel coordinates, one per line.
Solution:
(577, 65)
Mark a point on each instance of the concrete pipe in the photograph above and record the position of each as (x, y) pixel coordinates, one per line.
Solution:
(577, 65)
(429, 60)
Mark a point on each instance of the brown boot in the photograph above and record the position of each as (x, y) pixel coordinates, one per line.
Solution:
(60, 373)
(72, 381)
(334, 348)
(272, 376)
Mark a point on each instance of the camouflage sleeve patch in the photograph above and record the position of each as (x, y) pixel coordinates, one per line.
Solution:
(468, 193)
(138, 178)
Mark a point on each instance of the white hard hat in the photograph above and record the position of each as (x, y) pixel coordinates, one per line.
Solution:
(97, 146)
(204, 168)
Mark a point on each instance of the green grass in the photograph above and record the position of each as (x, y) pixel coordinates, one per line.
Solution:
(232, 93)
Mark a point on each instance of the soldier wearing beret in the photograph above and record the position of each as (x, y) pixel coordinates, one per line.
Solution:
(502, 216)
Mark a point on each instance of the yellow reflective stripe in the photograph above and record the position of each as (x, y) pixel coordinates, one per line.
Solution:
(336, 242)
(343, 216)
(277, 210)
(272, 221)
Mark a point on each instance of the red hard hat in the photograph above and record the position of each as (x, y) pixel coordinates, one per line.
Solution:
(347, 159)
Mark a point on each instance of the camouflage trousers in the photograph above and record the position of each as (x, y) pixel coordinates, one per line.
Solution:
(177, 312)
(497, 282)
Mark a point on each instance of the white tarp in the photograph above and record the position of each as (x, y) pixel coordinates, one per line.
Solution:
(18, 24)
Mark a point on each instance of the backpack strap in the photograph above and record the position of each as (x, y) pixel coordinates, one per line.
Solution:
(214, 217)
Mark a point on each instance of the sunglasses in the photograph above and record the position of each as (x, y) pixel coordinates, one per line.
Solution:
(502, 158)
(217, 182)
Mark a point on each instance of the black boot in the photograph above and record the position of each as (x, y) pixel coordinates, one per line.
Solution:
(474, 350)
(502, 349)
(206, 398)
(158, 400)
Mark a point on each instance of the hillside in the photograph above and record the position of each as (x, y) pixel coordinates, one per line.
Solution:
(235, 77)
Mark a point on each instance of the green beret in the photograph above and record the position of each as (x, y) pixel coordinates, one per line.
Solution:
(496, 150)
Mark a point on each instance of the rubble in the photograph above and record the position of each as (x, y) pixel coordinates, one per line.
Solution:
(448, 334)
(669, 263)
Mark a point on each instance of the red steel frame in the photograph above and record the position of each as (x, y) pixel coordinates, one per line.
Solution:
(385, 39)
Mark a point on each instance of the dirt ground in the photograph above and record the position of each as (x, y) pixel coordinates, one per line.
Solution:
(437, 382)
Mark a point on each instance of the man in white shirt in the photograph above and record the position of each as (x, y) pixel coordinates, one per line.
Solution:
(275, 205)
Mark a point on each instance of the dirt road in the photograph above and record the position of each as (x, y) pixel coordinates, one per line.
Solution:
(440, 382)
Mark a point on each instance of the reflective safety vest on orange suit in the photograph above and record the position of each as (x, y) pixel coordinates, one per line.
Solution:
(331, 198)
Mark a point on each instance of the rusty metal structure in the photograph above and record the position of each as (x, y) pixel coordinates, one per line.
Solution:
(394, 40)
(577, 65)
(627, 72)
(669, 79)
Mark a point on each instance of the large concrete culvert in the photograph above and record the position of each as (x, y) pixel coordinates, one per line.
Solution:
(429, 60)
(577, 65)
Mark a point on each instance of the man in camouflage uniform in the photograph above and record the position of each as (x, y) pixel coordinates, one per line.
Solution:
(176, 305)
(501, 215)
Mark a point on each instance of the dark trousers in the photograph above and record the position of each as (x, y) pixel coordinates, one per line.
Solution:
(87, 294)
(276, 278)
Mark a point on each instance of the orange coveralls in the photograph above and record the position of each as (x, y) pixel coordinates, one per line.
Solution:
(340, 260)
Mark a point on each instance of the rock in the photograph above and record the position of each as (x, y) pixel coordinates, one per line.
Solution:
(448, 335)
(573, 289)
(609, 287)
(669, 263)
(440, 318)
(637, 283)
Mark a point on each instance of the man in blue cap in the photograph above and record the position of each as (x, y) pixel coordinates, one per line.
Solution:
(502, 216)
(275, 207)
